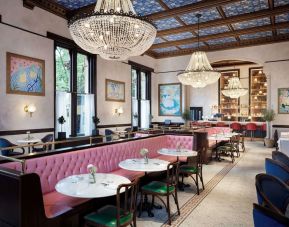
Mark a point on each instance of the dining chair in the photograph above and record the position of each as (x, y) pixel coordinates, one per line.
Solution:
(161, 189)
(277, 169)
(272, 193)
(122, 214)
(252, 128)
(265, 217)
(230, 148)
(193, 169)
(237, 127)
(46, 139)
(280, 157)
(10, 152)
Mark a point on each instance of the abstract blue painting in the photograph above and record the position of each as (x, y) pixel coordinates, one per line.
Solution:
(170, 99)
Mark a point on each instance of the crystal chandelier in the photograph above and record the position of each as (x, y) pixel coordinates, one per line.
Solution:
(199, 73)
(234, 89)
(113, 30)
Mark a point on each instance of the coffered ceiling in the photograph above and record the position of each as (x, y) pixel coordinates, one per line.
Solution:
(224, 24)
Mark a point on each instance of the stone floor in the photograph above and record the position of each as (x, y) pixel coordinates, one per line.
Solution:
(228, 198)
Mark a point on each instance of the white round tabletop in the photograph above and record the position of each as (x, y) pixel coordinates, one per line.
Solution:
(219, 137)
(26, 141)
(80, 186)
(178, 153)
(153, 165)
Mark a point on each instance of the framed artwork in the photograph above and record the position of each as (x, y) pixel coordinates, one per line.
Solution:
(283, 100)
(25, 75)
(170, 99)
(114, 90)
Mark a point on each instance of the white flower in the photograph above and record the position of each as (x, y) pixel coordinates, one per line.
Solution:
(144, 151)
(91, 169)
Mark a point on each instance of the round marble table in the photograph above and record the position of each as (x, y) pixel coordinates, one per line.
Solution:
(28, 141)
(80, 186)
(153, 165)
(177, 153)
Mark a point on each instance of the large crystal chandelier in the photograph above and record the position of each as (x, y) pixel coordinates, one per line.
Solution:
(199, 73)
(113, 30)
(234, 89)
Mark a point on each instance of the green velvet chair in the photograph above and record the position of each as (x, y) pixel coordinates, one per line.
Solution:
(123, 214)
(163, 189)
(230, 148)
(193, 169)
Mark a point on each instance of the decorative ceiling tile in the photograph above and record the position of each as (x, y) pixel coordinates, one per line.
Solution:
(245, 6)
(252, 23)
(207, 15)
(158, 40)
(184, 35)
(75, 4)
(214, 30)
(281, 2)
(283, 31)
(145, 7)
(178, 3)
(282, 18)
(166, 23)
(167, 49)
(191, 45)
(221, 41)
(256, 35)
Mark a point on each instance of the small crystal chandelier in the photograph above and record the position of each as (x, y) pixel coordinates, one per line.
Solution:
(113, 30)
(199, 73)
(234, 89)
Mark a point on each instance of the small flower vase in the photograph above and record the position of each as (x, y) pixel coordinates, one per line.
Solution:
(146, 160)
(92, 178)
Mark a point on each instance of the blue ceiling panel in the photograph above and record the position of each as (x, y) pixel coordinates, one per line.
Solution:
(282, 18)
(256, 35)
(191, 45)
(281, 2)
(252, 23)
(207, 15)
(166, 23)
(283, 31)
(75, 4)
(158, 40)
(221, 41)
(145, 7)
(179, 36)
(245, 6)
(178, 3)
(214, 30)
(167, 49)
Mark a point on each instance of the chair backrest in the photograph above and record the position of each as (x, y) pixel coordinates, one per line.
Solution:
(172, 174)
(196, 161)
(236, 139)
(264, 216)
(236, 126)
(108, 134)
(5, 143)
(277, 169)
(272, 192)
(46, 139)
(251, 126)
(280, 157)
(130, 199)
(167, 122)
(263, 127)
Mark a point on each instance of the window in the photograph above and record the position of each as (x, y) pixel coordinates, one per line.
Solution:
(141, 98)
(75, 94)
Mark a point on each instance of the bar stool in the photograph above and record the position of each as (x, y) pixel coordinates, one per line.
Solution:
(251, 127)
(237, 127)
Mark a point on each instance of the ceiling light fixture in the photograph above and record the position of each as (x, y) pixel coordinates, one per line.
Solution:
(199, 73)
(113, 30)
(234, 89)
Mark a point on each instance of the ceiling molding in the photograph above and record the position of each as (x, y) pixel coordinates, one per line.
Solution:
(230, 63)
(222, 35)
(225, 46)
(228, 20)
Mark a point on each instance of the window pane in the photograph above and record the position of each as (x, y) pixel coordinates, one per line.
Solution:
(134, 84)
(63, 108)
(82, 74)
(145, 114)
(85, 112)
(143, 86)
(63, 66)
(135, 112)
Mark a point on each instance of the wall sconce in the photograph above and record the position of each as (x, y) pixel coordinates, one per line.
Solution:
(119, 111)
(30, 109)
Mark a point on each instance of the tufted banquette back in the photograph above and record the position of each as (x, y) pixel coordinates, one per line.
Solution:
(53, 168)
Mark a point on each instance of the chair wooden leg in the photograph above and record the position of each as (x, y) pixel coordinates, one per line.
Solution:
(201, 177)
(140, 206)
(134, 220)
(153, 202)
(197, 184)
(169, 209)
(177, 201)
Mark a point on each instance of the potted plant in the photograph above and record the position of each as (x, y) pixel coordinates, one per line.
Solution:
(61, 135)
(269, 116)
(186, 115)
(96, 121)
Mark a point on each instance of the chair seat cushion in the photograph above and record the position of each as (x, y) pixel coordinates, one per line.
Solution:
(157, 187)
(188, 169)
(56, 204)
(106, 216)
(131, 175)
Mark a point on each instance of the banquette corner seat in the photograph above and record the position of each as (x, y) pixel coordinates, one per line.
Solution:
(42, 174)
